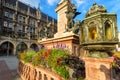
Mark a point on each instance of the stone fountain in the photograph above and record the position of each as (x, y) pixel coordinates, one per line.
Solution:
(98, 34)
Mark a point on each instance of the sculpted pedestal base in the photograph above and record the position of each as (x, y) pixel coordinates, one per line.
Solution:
(98, 68)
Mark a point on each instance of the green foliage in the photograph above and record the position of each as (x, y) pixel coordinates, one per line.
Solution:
(62, 71)
(52, 62)
(22, 56)
(26, 56)
(29, 54)
(98, 55)
(80, 78)
(36, 59)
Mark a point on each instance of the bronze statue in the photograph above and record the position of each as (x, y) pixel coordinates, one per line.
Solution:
(71, 14)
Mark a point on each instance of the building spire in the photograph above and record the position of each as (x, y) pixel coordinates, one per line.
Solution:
(39, 6)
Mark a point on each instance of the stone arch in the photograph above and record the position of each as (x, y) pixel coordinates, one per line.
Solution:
(6, 48)
(21, 46)
(8, 41)
(34, 46)
(108, 29)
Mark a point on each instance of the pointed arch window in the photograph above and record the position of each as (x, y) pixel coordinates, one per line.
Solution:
(108, 30)
(92, 31)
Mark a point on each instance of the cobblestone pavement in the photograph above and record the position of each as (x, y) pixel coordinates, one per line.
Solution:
(8, 68)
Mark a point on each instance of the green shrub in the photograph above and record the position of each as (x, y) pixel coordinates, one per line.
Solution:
(22, 56)
(37, 58)
(29, 54)
(53, 62)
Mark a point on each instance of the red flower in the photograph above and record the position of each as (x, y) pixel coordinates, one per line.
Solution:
(58, 61)
(45, 55)
(115, 57)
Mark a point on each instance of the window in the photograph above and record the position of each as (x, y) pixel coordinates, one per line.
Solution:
(19, 18)
(32, 22)
(31, 30)
(19, 27)
(10, 25)
(6, 14)
(11, 15)
(5, 23)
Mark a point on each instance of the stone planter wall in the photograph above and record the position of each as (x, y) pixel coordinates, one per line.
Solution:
(98, 68)
(29, 72)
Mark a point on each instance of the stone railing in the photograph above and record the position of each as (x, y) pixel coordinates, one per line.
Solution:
(29, 72)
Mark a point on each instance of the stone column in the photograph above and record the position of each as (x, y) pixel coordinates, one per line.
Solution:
(98, 68)
(62, 20)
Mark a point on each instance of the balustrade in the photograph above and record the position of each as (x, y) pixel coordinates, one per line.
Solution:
(29, 72)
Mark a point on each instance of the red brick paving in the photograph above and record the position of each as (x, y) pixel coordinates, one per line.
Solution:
(5, 73)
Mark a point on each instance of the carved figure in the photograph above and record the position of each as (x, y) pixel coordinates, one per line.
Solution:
(71, 14)
(76, 26)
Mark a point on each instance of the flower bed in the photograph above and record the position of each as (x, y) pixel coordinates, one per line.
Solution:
(57, 61)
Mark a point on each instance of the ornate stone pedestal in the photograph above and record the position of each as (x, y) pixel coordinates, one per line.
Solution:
(98, 68)
(70, 42)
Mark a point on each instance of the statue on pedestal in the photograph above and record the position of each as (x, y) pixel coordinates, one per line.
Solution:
(71, 14)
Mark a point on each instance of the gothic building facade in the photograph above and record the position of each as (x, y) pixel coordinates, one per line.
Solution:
(21, 26)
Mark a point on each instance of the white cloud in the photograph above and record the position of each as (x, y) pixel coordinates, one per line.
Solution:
(52, 2)
(33, 3)
(79, 2)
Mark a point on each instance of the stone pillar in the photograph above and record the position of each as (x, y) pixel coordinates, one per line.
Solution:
(98, 68)
(62, 20)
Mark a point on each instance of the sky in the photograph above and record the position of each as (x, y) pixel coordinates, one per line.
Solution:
(49, 6)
